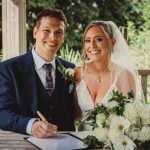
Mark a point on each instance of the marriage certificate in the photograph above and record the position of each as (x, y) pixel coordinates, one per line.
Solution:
(64, 141)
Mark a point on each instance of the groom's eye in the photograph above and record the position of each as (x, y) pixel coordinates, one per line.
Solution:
(46, 31)
(87, 41)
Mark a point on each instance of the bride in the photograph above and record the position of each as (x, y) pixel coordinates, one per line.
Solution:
(107, 66)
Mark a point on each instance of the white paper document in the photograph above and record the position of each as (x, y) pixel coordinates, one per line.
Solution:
(61, 142)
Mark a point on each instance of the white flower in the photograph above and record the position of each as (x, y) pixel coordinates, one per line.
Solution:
(130, 113)
(101, 134)
(133, 134)
(70, 71)
(112, 104)
(110, 118)
(122, 142)
(112, 135)
(144, 134)
(67, 73)
(120, 132)
(119, 124)
(145, 115)
(100, 119)
(138, 106)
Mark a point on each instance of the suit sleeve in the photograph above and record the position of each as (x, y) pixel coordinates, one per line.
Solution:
(10, 118)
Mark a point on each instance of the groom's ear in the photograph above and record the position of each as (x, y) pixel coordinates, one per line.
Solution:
(113, 41)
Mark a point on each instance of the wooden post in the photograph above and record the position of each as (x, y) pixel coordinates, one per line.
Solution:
(14, 28)
(124, 31)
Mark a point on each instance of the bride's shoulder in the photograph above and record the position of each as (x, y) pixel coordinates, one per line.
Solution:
(117, 68)
(79, 71)
(122, 71)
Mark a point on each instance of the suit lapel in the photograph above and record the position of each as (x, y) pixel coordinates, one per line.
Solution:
(29, 77)
(61, 81)
(61, 84)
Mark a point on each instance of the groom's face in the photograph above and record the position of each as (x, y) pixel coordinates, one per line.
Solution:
(49, 37)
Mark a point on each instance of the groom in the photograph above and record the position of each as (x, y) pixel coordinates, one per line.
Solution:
(26, 87)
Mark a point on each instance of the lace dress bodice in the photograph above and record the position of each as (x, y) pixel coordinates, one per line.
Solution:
(85, 100)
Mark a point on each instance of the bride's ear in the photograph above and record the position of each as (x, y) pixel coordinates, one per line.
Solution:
(113, 42)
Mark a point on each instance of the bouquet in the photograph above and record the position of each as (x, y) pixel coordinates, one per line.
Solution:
(123, 125)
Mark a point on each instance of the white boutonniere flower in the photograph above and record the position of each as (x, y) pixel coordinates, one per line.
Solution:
(67, 73)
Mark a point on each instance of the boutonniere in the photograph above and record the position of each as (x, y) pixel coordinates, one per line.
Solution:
(67, 73)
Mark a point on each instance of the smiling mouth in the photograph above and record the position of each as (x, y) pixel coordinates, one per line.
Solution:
(51, 44)
(95, 52)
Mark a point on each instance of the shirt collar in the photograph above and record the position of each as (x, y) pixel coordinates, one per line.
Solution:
(39, 62)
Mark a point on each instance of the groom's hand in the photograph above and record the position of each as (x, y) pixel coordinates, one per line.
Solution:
(41, 129)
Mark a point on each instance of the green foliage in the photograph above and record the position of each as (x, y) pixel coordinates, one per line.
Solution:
(101, 109)
(70, 55)
(138, 40)
(80, 13)
(135, 14)
(67, 73)
(92, 142)
(77, 125)
(139, 43)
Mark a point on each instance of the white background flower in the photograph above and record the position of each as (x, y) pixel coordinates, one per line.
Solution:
(112, 104)
(100, 119)
(110, 118)
(101, 134)
(120, 132)
(145, 115)
(144, 134)
(112, 134)
(133, 134)
(122, 142)
(130, 113)
(119, 124)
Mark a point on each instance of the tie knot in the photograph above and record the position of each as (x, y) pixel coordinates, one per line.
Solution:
(48, 67)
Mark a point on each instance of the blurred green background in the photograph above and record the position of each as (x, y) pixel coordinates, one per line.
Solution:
(135, 15)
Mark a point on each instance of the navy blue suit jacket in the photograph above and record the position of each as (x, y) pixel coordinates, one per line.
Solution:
(19, 94)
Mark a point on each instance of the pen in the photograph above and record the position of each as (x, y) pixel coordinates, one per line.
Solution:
(42, 117)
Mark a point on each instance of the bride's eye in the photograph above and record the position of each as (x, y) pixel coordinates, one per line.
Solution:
(99, 39)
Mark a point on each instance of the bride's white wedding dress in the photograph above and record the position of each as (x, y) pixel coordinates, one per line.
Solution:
(85, 100)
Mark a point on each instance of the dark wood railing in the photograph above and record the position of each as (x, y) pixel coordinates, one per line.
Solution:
(144, 75)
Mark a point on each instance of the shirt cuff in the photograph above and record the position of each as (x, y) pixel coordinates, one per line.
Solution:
(29, 126)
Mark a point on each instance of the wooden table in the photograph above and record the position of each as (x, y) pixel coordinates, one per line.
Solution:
(14, 141)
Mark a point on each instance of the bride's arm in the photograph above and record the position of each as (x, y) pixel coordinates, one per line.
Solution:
(132, 82)
(78, 114)
(126, 82)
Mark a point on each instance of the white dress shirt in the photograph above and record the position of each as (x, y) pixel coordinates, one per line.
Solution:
(39, 62)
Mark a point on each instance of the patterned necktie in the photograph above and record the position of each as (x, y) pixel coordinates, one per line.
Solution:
(49, 79)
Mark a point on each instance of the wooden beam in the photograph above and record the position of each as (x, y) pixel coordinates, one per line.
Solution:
(144, 75)
(14, 28)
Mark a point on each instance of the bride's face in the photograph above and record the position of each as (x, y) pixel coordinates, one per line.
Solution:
(96, 45)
